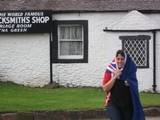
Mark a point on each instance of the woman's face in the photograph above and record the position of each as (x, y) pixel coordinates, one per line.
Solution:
(120, 61)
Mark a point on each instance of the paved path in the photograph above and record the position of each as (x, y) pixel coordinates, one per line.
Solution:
(148, 118)
(153, 118)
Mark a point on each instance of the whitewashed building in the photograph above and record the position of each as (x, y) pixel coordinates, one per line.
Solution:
(78, 41)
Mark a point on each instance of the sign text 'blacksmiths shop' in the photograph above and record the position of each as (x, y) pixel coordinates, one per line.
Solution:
(25, 21)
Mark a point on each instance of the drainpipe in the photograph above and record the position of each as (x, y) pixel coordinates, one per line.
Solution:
(154, 62)
(50, 43)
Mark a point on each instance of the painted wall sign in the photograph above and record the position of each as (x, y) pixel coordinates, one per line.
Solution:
(25, 21)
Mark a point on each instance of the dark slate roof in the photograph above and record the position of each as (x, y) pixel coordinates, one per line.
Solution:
(80, 5)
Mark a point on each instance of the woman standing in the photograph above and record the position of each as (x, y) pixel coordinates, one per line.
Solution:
(120, 84)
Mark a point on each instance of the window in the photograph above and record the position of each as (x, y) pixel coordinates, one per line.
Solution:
(70, 41)
(138, 48)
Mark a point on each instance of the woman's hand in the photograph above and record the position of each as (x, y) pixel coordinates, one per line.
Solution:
(117, 73)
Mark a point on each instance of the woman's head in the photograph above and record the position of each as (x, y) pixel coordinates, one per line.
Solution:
(120, 58)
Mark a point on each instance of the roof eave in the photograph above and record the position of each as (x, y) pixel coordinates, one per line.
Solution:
(111, 30)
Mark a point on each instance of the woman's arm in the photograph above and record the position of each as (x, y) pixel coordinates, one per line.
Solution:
(108, 85)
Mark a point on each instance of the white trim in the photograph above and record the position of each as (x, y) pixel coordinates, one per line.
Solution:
(71, 57)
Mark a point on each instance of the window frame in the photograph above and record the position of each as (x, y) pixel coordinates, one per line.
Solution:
(70, 40)
(55, 42)
(138, 37)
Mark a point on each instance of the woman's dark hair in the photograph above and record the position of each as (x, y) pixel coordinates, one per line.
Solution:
(121, 52)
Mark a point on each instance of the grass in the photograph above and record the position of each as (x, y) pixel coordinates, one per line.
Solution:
(150, 99)
(19, 98)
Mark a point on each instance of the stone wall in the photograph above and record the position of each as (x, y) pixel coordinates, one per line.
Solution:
(68, 115)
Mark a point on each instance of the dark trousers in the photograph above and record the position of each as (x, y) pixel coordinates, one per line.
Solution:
(116, 113)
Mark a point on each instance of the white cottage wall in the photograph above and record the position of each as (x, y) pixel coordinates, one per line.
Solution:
(158, 60)
(102, 48)
(24, 59)
(156, 17)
